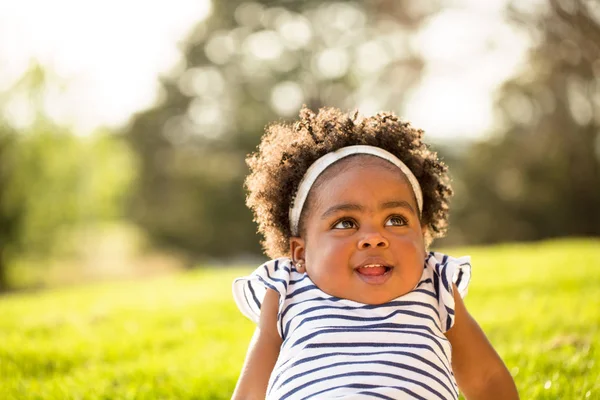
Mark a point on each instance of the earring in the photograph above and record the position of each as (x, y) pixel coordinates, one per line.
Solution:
(299, 265)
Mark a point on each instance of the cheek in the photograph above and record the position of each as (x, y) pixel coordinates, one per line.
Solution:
(328, 250)
(413, 244)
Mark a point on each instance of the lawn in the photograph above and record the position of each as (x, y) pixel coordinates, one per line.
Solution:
(181, 336)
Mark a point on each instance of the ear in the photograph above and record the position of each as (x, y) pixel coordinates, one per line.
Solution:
(426, 237)
(297, 250)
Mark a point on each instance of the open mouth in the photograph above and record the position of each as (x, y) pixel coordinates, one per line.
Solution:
(373, 270)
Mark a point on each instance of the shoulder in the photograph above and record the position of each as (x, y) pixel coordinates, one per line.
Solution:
(451, 276)
(451, 270)
(249, 291)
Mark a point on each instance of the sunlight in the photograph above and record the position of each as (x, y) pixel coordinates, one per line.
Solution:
(106, 54)
(106, 62)
(469, 53)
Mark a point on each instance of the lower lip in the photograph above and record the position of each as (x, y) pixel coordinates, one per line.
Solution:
(375, 279)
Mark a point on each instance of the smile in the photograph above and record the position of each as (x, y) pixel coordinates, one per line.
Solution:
(374, 274)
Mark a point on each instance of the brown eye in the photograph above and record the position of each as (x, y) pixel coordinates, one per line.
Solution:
(396, 220)
(345, 224)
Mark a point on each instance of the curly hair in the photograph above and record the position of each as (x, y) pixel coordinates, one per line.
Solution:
(287, 150)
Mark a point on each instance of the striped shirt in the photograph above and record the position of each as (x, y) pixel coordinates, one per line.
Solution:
(339, 348)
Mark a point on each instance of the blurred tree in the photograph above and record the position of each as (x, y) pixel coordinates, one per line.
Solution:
(9, 219)
(540, 176)
(52, 180)
(250, 63)
(60, 180)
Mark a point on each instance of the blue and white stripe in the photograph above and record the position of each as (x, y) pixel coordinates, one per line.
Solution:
(339, 348)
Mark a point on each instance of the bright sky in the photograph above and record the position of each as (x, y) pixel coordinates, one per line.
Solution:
(109, 54)
(471, 51)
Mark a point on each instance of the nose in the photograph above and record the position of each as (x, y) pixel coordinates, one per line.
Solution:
(373, 239)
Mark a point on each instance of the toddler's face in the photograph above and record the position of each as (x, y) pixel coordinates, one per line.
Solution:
(363, 240)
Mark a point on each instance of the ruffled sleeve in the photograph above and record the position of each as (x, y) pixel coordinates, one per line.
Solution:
(447, 271)
(249, 291)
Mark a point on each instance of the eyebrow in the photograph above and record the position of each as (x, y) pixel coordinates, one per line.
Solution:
(357, 207)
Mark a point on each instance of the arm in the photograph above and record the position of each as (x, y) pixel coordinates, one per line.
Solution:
(479, 371)
(262, 352)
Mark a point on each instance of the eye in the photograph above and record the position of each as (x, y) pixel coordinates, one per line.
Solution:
(345, 224)
(396, 220)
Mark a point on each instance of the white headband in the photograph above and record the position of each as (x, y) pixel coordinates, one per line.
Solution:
(324, 162)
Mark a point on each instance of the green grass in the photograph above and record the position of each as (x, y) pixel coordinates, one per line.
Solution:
(181, 337)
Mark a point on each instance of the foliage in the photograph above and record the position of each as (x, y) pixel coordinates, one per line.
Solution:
(52, 181)
(60, 180)
(248, 64)
(181, 337)
(539, 176)
(9, 219)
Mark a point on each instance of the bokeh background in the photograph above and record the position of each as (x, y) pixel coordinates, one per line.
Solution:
(124, 125)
